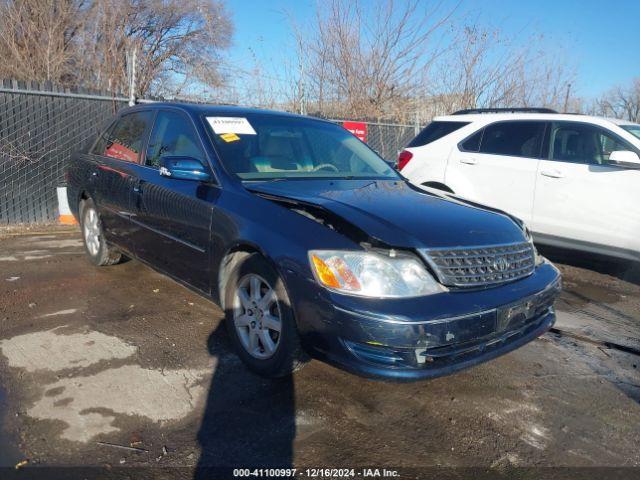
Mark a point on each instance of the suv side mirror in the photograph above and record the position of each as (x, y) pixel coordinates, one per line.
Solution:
(184, 168)
(625, 158)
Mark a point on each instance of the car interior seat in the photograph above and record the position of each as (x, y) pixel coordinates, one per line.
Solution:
(580, 146)
(277, 155)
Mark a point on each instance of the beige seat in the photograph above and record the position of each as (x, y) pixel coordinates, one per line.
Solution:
(277, 156)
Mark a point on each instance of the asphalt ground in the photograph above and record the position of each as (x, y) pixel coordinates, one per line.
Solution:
(120, 367)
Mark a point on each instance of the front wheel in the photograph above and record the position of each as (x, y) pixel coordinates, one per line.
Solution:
(97, 249)
(260, 320)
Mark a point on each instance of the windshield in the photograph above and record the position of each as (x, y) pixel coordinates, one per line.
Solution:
(267, 146)
(634, 129)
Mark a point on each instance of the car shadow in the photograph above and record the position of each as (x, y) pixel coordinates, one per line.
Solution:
(621, 269)
(249, 421)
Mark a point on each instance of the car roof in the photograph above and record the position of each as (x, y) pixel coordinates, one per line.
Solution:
(210, 109)
(485, 118)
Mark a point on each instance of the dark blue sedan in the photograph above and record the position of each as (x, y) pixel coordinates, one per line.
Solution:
(310, 242)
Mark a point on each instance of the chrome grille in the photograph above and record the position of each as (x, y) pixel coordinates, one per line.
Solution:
(481, 266)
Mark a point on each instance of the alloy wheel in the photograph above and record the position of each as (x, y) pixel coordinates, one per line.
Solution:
(257, 317)
(91, 227)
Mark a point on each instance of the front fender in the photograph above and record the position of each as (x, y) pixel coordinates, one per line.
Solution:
(282, 236)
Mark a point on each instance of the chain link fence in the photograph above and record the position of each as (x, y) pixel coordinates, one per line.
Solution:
(39, 130)
(40, 127)
(388, 139)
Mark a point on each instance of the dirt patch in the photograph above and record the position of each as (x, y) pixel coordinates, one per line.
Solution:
(55, 350)
(159, 396)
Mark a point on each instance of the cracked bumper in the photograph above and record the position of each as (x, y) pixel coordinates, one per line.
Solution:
(410, 344)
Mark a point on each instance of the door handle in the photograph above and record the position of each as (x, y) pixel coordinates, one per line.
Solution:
(552, 173)
(468, 161)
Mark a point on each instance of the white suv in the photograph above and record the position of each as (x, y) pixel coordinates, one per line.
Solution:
(574, 179)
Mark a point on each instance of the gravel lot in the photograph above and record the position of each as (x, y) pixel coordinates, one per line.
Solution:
(96, 357)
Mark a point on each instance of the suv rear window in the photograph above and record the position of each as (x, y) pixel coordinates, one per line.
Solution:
(435, 131)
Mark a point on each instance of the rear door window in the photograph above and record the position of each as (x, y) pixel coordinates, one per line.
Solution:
(173, 135)
(435, 131)
(517, 139)
(124, 140)
(472, 144)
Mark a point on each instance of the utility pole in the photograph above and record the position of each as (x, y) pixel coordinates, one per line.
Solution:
(131, 73)
(301, 88)
(566, 98)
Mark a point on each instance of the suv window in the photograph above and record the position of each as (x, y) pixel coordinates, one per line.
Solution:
(582, 143)
(125, 138)
(435, 131)
(633, 129)
(472, 144)
(517, 138)
(173, 135)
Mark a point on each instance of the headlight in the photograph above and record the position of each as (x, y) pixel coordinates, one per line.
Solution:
(539, 259)
(372, 274)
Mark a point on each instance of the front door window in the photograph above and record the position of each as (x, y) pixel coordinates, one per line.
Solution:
(172, 136)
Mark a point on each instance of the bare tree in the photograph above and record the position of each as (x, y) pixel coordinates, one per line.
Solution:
(621, 102)
(409, 61)
(365, 57)
(487, 69)
(87, 42)
(37, 38)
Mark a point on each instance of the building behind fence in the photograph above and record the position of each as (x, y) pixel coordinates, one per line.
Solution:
(41, 127)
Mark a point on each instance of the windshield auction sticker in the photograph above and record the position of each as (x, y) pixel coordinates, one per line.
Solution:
(238, 125)
(229, 137)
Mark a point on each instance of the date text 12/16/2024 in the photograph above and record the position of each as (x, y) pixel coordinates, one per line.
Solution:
(316, 472)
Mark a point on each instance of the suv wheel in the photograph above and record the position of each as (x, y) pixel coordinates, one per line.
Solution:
(260, 320)
(97, 249)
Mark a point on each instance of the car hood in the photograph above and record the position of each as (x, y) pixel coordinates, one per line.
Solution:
(397, 213)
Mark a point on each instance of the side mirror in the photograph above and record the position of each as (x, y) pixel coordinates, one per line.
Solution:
(392, 164)
(625, 158)
(184, 168)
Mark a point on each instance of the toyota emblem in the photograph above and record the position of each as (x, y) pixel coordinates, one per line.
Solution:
(501, 264)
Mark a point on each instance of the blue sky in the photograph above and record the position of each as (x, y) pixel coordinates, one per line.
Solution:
(599, 37)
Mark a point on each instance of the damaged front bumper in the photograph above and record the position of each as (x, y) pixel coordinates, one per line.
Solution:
(432, 337)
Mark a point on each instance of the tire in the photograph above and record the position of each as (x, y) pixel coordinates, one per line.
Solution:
(250, 319)
(95, 246)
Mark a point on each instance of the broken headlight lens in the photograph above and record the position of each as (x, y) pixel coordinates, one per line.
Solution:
(372, 274)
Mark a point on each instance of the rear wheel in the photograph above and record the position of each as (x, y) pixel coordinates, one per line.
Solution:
(260, 320)
(96, 248)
